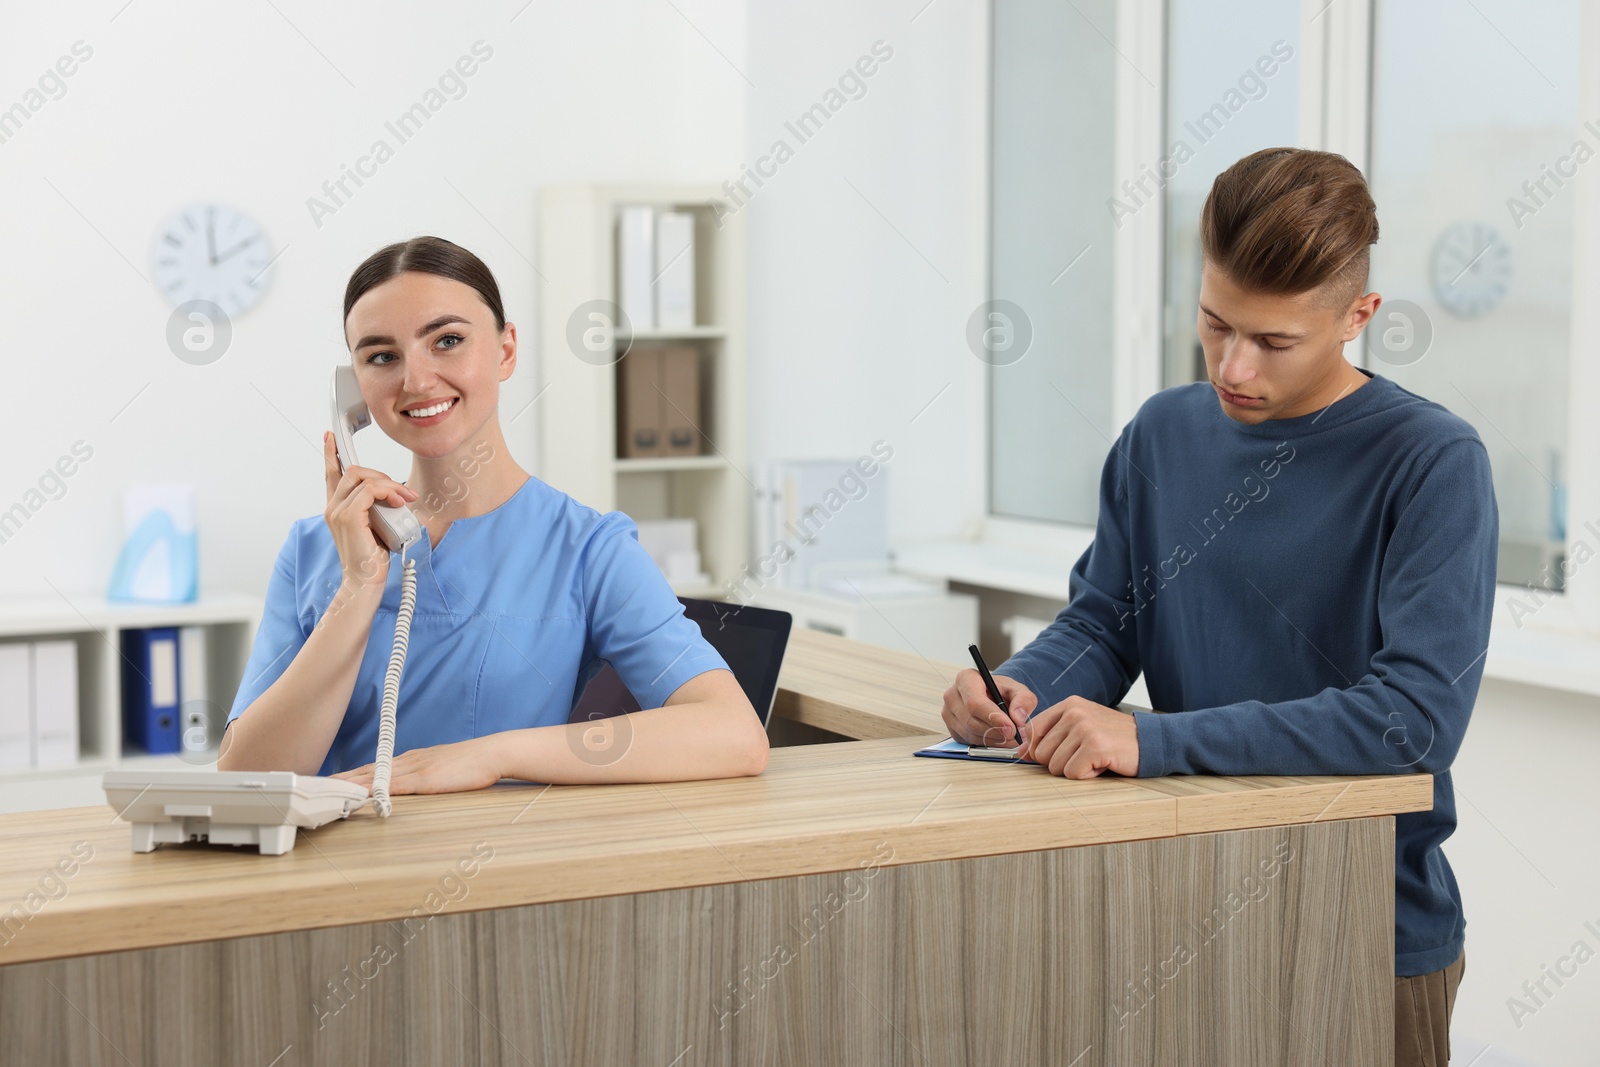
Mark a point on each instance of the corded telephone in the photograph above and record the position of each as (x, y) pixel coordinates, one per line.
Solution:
(397, 529)
(266, 808)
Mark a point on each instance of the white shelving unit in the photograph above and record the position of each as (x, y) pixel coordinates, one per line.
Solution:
(936, 625)
(577, 415)
(96, 626)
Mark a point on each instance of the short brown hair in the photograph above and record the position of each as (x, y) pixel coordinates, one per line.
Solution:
(426, 255)
(1289, 220)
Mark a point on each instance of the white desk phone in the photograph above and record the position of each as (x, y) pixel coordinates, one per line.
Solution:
(266, 808)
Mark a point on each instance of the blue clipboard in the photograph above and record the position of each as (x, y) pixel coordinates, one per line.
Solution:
(950, 748)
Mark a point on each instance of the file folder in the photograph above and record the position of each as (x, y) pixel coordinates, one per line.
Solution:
(55, 703)
(194, 699)
(639, 401)
(150, 718)
(636, 266)
(674, 270)
(680, 400)
(16, 707)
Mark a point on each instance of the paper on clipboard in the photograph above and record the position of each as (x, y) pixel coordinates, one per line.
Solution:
(950, 748)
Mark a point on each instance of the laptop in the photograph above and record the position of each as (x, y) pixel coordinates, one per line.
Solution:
(751, 640)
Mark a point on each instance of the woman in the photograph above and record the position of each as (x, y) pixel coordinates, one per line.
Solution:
(522, 592)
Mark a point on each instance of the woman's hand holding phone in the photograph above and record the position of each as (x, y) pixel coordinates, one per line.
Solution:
(363, 560)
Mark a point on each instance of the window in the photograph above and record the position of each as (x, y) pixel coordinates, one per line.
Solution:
(1479, 130)
(1474, 125)
(1229, 92)
(1050, 343)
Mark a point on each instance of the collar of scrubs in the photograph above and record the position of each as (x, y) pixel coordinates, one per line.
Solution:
(426, 543)
(433, 594)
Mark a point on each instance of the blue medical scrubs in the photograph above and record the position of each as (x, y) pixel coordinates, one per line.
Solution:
(516, 610)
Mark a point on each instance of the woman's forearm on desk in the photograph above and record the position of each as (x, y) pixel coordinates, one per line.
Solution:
(686, 742)
(707, 730)
(291, 726)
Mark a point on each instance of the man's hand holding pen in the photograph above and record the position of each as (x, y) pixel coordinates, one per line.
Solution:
(974, 719)
(1076, 738)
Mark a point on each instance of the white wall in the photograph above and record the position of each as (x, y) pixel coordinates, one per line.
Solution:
(859, 297)
(184, 102)
(1528, 800)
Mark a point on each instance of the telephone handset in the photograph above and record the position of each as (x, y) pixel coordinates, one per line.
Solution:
(397, 529)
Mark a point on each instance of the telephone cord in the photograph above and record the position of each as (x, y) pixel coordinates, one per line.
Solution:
(391, 687)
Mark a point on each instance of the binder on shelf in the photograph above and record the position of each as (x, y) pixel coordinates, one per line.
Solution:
(674, 270)
(636, 266)
(150, 689)
(658, 402)
(16, 707)
(55, 703)
(194, 700)
(680, 401)
(639, 405)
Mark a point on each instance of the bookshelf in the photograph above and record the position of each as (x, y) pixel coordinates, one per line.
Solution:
(577, 413)
(95, 625)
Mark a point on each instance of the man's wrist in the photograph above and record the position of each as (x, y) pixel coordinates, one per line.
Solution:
(1150, 736)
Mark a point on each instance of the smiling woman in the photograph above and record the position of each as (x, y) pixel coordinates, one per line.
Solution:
(532, 595)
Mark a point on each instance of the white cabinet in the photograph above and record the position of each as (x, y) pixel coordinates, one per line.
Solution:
(937, 627)
(93, 628)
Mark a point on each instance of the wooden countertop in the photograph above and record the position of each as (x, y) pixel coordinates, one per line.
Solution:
(817, 808)
(860, 690)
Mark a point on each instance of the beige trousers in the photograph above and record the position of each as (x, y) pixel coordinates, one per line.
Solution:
(1422, 1006)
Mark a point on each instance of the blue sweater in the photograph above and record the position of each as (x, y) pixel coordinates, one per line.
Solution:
(1312, 594)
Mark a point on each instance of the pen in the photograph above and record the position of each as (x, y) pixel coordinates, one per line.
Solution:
(994, 690)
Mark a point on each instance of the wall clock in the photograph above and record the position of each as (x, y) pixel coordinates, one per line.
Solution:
(214, 252)
(1471, 269)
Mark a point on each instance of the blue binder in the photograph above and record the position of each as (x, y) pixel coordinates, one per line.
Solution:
(150, 689)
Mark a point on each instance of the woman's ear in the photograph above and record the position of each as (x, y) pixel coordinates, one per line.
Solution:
(508, 350)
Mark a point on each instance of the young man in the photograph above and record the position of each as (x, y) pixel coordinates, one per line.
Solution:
(1299, 555)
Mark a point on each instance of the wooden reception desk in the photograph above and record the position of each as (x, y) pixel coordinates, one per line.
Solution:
(852, 905)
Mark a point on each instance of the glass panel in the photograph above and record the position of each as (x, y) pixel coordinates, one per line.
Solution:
(1050, 348)
(1475, 140)
(1229, 93)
